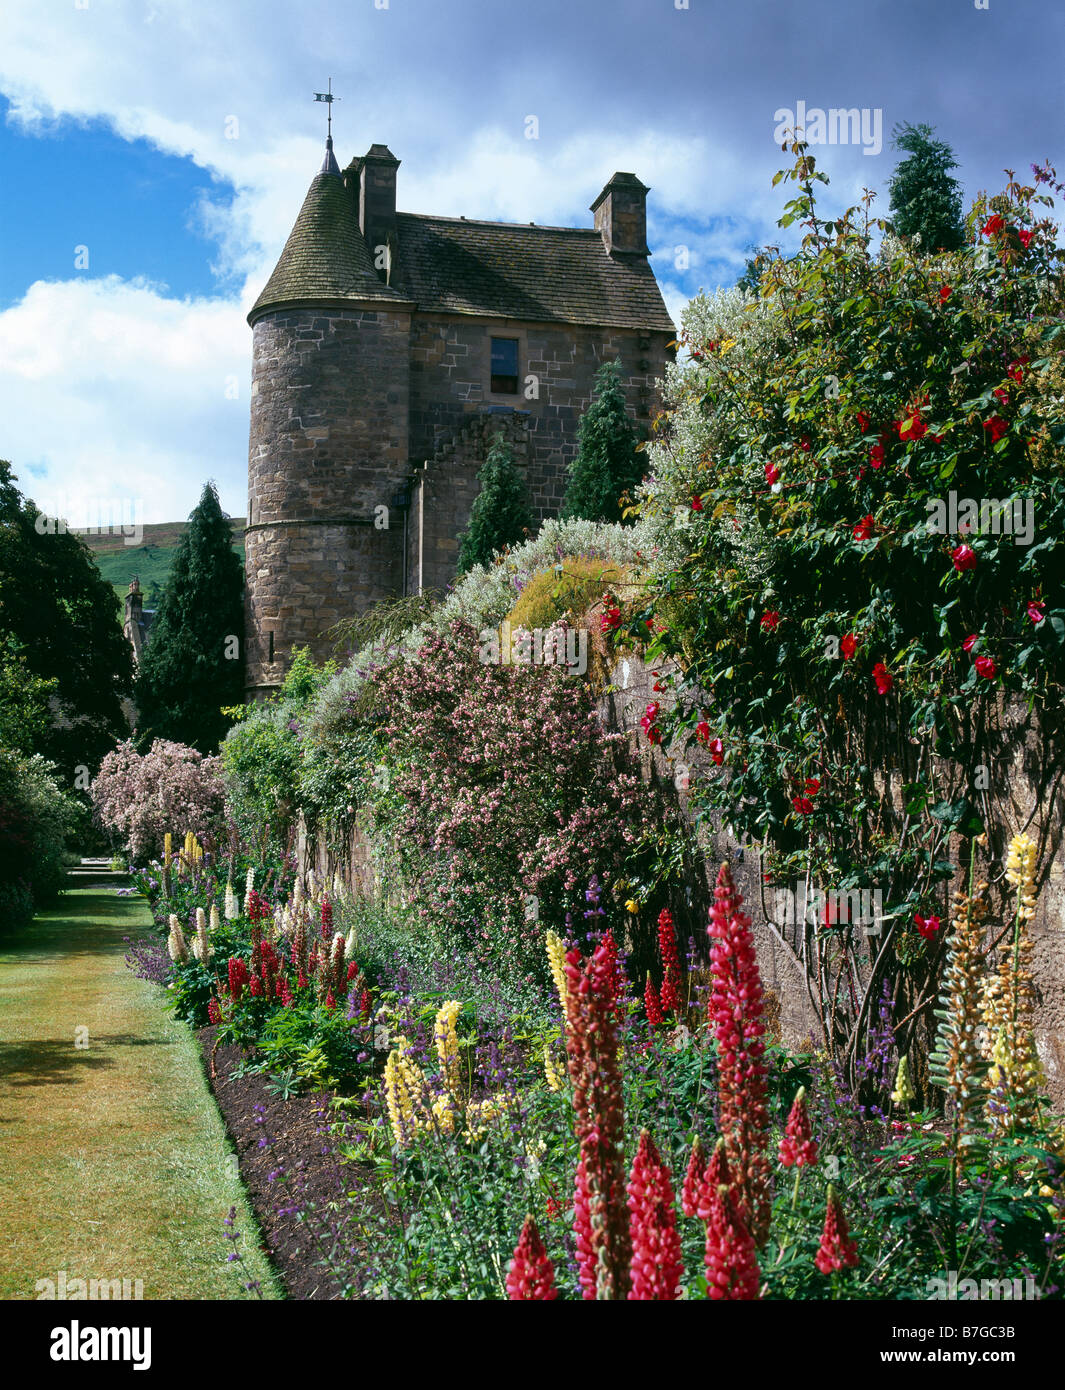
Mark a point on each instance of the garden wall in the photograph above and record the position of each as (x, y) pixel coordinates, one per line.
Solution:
(1018, 786)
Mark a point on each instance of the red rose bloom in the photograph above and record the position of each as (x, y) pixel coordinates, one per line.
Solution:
(812, 786)
(772, 473)
(848, 646)
(883, 678)
(697, 504)
(1035, 610)
(769, 619)
(970, 642)
(945, 292)
(964, 557)
(985, 667)
(717, 751)
(876, 455)
(992, 226)
(996, 427)
(610, 620)
(1014, 370)
(1025, 236)
(802, 804)
(863, 421)
(864, 529)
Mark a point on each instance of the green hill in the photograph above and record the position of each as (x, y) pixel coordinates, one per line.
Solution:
(150, 561)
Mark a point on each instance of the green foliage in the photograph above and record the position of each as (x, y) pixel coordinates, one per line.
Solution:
(264, 756)
(190, 668)
(829, 441)
(925, 199)
(500, 516)
(551, 595)
(36, 817)
(58, 628)
(24, 713)
(607, 464)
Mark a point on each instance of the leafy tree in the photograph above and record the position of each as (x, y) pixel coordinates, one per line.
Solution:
(193, 663)
(925, 199)
(59, 640)
(830, 616)
(607, 463)
(500, 515)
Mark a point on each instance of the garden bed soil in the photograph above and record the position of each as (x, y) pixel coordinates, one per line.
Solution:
(293, 1129)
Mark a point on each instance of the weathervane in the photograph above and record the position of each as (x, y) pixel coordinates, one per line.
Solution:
(328, 98)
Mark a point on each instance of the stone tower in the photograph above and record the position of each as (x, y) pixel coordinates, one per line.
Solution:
(389, 350)
(329, 434)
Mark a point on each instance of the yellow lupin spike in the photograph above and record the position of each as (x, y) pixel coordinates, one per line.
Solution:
(446, 1036)
(404, 1083)
(554, 1080)
(168, 848)
(556, 959)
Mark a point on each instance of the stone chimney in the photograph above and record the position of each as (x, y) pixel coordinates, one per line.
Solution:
(375, 194)
(621, 216)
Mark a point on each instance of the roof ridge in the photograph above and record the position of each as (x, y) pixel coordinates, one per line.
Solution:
(488, 222)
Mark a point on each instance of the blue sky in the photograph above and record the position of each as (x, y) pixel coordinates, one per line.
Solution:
(174, 139)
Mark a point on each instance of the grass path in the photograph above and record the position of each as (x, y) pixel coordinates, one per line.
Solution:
(113, 1159)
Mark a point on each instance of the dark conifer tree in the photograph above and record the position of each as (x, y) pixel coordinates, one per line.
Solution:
(500, 515)
(194, 660)
(924, 197)
(607, 463)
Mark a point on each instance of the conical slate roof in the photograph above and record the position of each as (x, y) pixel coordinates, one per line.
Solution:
(326, 259)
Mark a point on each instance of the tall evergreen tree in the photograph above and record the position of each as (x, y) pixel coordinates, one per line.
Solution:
(194, 661)
(924, 197)
(63, 651)
(607, 463)
(500, 515)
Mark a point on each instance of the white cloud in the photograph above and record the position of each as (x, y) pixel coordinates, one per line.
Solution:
(110, 385)
(110, 390)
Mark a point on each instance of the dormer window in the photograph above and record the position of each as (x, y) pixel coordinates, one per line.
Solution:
(504, 366)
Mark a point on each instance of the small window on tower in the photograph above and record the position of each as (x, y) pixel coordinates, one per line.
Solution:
(505, 366)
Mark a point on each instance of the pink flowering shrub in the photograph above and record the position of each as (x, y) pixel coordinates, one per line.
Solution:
(503, 787)
(138, 797)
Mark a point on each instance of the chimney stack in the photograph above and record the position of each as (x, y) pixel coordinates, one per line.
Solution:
(621, 216)
(375, 193)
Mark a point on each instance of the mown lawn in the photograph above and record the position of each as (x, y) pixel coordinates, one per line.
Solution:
(113, 1159)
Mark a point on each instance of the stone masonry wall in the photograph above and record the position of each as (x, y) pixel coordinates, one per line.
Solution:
(445, 490)
(450, 379)
(621, 708)
(328, 444)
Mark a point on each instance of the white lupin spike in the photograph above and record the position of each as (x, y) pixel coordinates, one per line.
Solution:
(215, 921)
(231, 905)
(176, 944)
(350, 943)
(201, 948)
